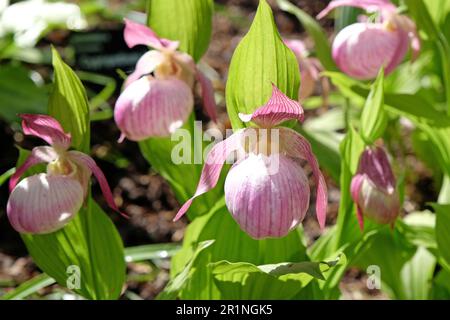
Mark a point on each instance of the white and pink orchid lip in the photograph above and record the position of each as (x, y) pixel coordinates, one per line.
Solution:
(45, 202)
(361, 49)
(263, 203)
(254, 186)
(150, 107)
(373, 188)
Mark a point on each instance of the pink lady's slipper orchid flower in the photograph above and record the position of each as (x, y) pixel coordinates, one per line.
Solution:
(266, 190)
(158, 96)
(373, 188)
(310, 69)
(362, 48)
(45, 202)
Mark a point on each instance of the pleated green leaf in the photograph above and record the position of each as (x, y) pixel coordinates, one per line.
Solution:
(188, 21)
(68, 103)
(374, 118)
(260, 59)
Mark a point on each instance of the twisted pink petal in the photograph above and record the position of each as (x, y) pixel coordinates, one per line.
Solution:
(297, 146)
(136, 34)
(38, 155)
(89, 163)
(46, 128)
(209, 102)
(368, 5)
(277, 110)
(212, 168)
(355, 189)
(44, 203)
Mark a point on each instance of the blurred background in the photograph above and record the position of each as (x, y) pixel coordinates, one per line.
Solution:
(88, 35)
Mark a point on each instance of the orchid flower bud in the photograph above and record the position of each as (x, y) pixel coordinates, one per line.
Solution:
(46, 202)
(362, 49)
(266, 190)
(158, 96)
(373, 188)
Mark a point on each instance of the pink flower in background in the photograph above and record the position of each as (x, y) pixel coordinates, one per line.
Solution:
(362, 48)
(373, 188)
(45, 202)
(266, 190)
(158, 96)
(310, 69)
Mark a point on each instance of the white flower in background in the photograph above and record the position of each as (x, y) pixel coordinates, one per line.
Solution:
(27, 20)
(3, 5)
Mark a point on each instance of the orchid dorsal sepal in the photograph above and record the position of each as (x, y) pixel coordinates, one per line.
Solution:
(45, 202)
(278, 109)
(139, 34)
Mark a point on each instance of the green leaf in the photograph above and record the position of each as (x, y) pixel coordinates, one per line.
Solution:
(231, 244)
(187, 21)
(322, 45)
(417, 275)
(132, 254)
(422, 16)
(411, 106)
(175, 285)
(389, 251)
(374, 118)
(443, 231)
(351, 148)
(345, 16)
(29, 287)
(151, 251)
(419, 229)
(242, 280)
(260, 59)
(89, 243)
(19, 94)
(444, 194)
(6, 175)
(68, 103)
(438, 9)
(441, 285)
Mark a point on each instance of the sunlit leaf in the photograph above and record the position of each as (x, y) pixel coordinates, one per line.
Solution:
(260, 59)
(187, 21)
